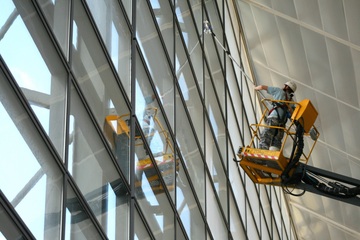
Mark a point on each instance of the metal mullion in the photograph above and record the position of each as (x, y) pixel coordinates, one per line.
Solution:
(132, 122)
(216, 196)
(243, 181)
(176, 215)
(14, 216)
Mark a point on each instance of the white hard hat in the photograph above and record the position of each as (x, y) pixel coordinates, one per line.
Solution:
(291, 85)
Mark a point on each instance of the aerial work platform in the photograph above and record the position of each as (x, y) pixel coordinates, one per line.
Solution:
(273, 166)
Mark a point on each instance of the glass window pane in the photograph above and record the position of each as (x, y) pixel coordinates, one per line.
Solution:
(196, 7)
(213, 214)
(164, 18)
(154, 127)
(191, 38)
(215, 117)
(188, 209)
(216, 169)
(236, 226)
(57, 13)
(189, 89)
(94, 171)
(116, 35)
(180, 235)
(155, 58)
(251, 228)
(190, 151)
(100, 88)
(216, 24)
(216, 76)
(77, 222)
(8, 228)
(150, 193)
(30, 177)
(36, 67)
(140, 229)
(128, 8)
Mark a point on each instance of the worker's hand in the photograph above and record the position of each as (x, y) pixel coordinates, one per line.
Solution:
(261, 87)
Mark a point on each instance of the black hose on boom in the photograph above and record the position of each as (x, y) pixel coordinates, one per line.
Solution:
(296, 152)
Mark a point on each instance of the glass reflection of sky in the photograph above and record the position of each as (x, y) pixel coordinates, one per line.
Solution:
(30, 72)
(21, 165)
(26, 63)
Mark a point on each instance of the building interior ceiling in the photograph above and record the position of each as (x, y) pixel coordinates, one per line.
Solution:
(315, 43)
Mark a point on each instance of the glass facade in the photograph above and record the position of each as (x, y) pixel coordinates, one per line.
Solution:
(121, 120)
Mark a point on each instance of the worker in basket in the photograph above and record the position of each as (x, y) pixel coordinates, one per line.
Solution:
(270, 138)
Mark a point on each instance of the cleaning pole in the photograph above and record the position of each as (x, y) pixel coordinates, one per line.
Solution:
(209, 30)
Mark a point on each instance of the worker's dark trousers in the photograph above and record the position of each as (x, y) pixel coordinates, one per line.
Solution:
(271, 136)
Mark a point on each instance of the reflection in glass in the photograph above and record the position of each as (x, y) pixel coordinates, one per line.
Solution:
(155, 59)
(150, 190)
(8, 229)
(188, 209)
(116, 34)
(216, 169)
(29, 176)
(36, 67)
(95, 172)
(216, 118)
(189, 90)
(155, 129)
(164, 18)
(189, 33)
(77, 222)
(100, 87)
(57, 13)
(140, 230)
(213, 214)
(236, 226)
(128, 8)
(190, 151)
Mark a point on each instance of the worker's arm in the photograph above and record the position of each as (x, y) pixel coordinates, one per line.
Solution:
(261, 87)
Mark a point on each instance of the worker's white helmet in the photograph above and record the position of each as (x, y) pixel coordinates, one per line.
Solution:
(291, 85)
